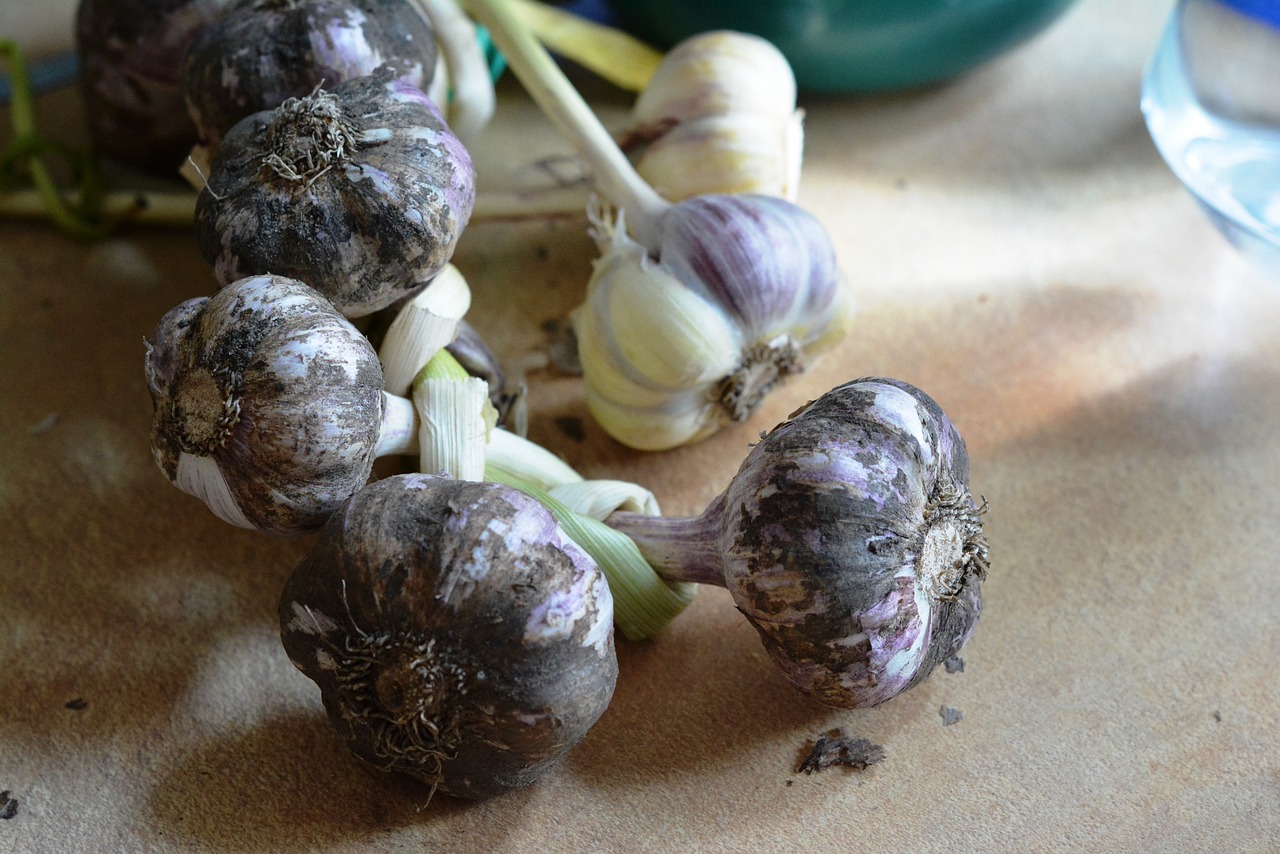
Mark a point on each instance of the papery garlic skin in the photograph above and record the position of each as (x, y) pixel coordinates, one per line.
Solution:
(746, 292)
(848, 538)
(362, 192)
(263, 52)
(455, 632)
(268, 404)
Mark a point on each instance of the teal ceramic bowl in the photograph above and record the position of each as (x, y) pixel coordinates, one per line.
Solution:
(856, 45)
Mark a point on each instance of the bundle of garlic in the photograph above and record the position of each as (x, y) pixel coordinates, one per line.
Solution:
(696, 309)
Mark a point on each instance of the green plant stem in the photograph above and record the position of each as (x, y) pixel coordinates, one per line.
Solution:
(27, 146)
(643, 603)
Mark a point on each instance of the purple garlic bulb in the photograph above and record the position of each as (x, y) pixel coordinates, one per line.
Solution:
(131, 55)
(268, 404)
(361, 192)
(738, 292)
(263, 52)
(456, 634)
(849, 540)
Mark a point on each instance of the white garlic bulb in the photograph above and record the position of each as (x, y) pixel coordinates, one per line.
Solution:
(746, 291)
(719, 116)
(269, 404)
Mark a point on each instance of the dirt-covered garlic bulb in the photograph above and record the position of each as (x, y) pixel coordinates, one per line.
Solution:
(263, 52)
(360, 191)
(268, 404)
(130, 54)
(848, 539)
(454, 631)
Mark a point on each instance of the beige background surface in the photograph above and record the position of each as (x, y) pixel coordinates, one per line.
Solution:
(1019, 251)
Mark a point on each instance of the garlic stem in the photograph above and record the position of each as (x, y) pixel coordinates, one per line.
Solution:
(399, 432)
(143, 208)
(680, 549)
(643, 603)
(472, 105)
(177, 209)
(424, 324)
(529, 461)
(612, 172)
(618, 57)
(455, 417)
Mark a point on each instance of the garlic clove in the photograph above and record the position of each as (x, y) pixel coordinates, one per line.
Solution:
(746, 292)
(664, 335)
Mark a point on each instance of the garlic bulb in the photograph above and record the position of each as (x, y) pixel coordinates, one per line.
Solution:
(268, 404)
(719, 116)
(455, 633)
(744, 291)
(130, 54)
(361, 192)
(263, 52)
(848, 539)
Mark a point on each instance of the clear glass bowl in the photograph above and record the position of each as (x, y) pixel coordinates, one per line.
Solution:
(1211, 99)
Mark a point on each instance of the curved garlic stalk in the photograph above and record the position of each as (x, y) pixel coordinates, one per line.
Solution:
(473, 100)
(762, 262)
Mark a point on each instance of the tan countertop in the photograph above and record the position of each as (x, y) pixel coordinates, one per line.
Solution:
(1019, 251)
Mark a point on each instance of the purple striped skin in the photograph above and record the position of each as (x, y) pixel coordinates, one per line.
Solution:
(819, 537)
(455, 633)
(713, 244)
(263, 52)
(371, 230)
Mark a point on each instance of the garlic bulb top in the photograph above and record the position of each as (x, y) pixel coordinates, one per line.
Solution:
(718, 73)
(130, 54)
(361, 192)
(263, 52)
(744, 290)
(268, 403)
(455, 632)
(848, 538)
